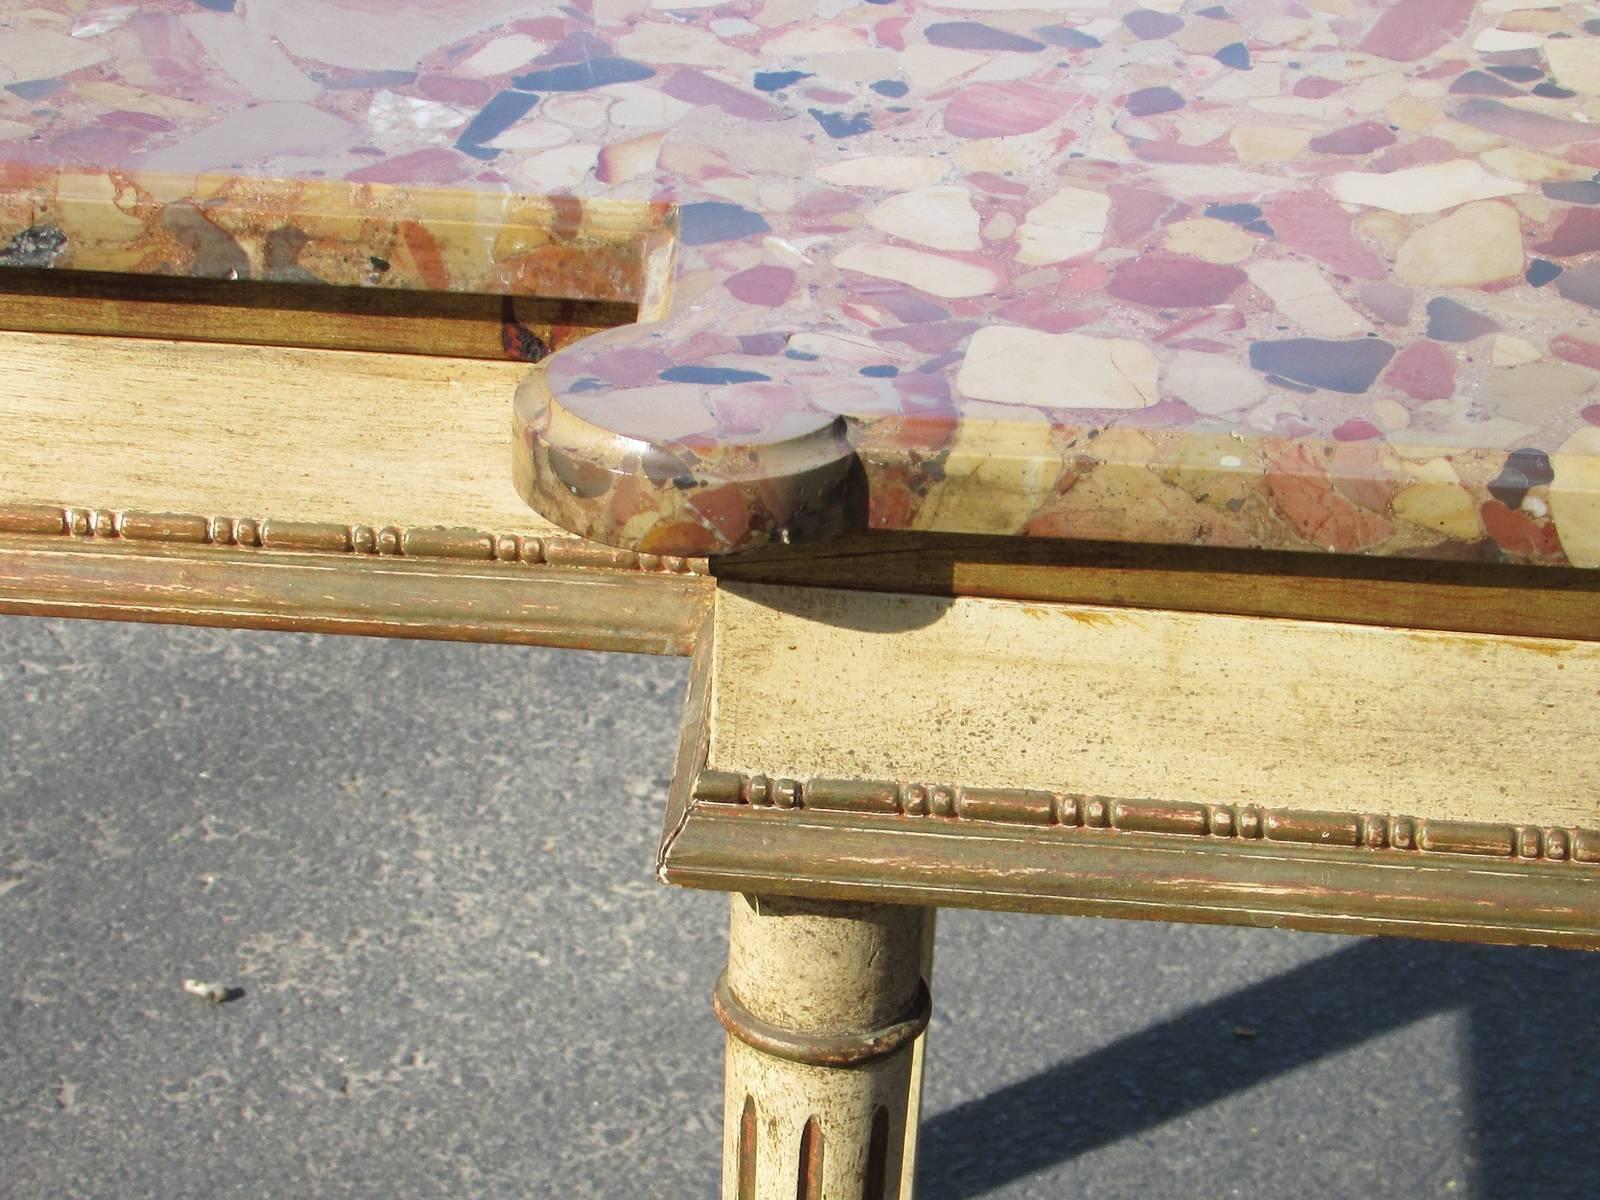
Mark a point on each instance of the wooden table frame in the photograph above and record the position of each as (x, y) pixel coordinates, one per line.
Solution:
(313, 506)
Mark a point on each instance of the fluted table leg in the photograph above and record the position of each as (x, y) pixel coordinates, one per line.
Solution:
(823, 1002)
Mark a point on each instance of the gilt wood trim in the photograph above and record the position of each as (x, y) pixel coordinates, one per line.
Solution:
(1093, 815)
(353, 592)
(1163, 877)
(327, 537)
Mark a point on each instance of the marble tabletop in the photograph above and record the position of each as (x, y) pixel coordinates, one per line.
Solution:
(1306, 274)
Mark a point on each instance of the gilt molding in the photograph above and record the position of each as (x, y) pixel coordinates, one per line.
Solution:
(326, 537)
(1399, 835)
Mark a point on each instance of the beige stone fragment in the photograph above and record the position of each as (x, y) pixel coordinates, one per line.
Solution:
(941, 216)
(1008, 364)
(950, 278)
(1574, 496)
(926, 66)
(884, 171)
(816, 39)
(858, 66)
(1412, 114)
(1445, 507)
(1300, 292)
(1264, 79)
(1534, 206)
(776, 13)
(1004, 454)
(1388, 230)
(1511, 351)
(1496, 7)
(657, 41)
(1536, 22)
(1004, 154)
(638, 107)
(44, 53)
(1212, 384)
(1207, 37)
(1530, 393)
(1268, 143)
(999, 227)
(1070, 223)
(1478, 243)
(120, 96)
(1517, 162)
(1209, 239)
(1468, 139)
(1390, 415)
(1430, 188)
(1495, 41)
(91, 205)
(1575, 62)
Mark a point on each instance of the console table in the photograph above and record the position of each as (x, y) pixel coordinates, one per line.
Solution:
(1103, 459)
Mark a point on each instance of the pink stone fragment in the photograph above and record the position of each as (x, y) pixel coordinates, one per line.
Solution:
(1165, 281)
(1354, 139)
(1412, 29)
(433, 165)
(1219, 151)
(1357, 430)
(630, 366)
(1389, 302)
(1575, 349)
(1578, 233)
(1520, 125)
(1423, 371)
(452, 89)
(766, 285)
(986, 110)
(696, 87)
(1315, 87)
(890, 34)
(1313, 223)
(1415, 154)
(1135, 212)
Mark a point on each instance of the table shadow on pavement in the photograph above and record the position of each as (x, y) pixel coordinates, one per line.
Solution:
(1531, 1058)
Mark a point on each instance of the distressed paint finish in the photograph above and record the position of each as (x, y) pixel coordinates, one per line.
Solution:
(1247, 275)
(823, 1003)
(1154, 765)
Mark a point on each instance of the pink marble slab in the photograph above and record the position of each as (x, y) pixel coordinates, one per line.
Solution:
(1275, 274)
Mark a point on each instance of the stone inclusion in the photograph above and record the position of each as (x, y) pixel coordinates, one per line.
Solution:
(1307, 274)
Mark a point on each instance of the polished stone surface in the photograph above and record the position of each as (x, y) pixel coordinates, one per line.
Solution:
(1260, 274)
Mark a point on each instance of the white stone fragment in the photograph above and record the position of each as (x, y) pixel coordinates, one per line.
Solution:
(1300, 292)
(884, 171)
(1575, 62)
(1070, 223)
(1491, 41)
(950, 278)
(1432, 187)
(557, 170)
(941, 217)
(501, 55)
(1212, 384)
(1008, 364)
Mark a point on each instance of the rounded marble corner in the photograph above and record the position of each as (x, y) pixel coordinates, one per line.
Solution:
(678, 495)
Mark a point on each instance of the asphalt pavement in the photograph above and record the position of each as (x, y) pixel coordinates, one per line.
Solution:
(428, 870)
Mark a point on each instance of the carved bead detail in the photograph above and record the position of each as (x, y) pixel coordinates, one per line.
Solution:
(1221, 822)
(303, 537)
